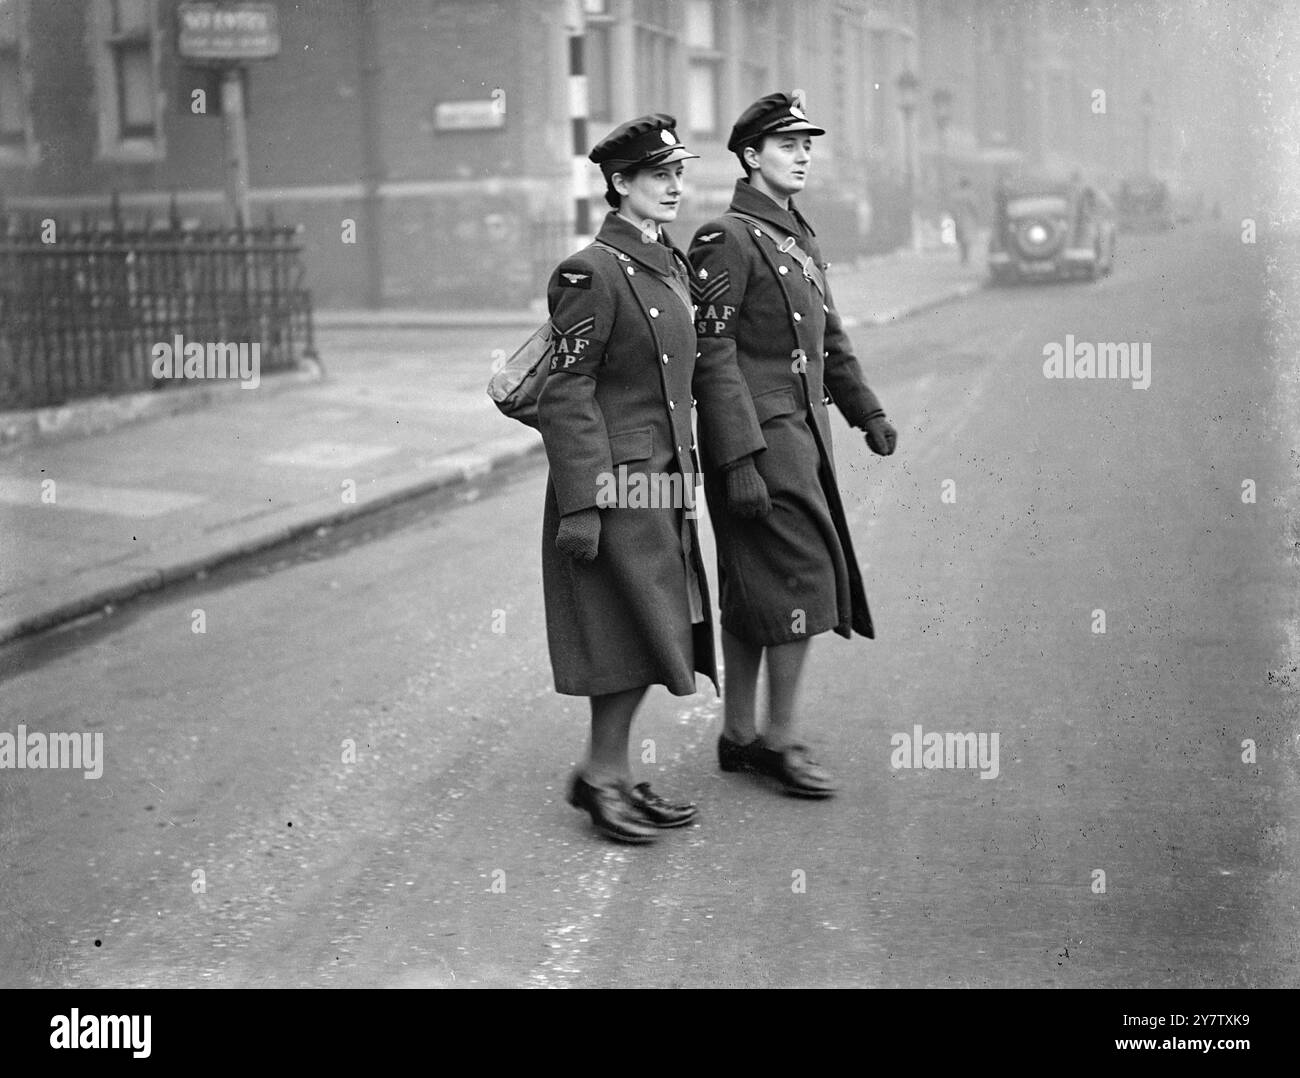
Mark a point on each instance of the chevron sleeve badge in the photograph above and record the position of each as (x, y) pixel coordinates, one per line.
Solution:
(713, 315)
(573, 351)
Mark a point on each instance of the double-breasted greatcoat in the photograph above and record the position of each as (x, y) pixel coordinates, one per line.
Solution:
(790, 574)
(615, 415)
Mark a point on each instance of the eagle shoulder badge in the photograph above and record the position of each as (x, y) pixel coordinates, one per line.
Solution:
(709, 237)
(570, 279)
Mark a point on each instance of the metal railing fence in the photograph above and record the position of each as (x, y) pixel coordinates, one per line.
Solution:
(81, 308)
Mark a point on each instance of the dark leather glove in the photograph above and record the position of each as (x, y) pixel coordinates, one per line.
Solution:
(881, 436)
(579, 535)
(746, 491)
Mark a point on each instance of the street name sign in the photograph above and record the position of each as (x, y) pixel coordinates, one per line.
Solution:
(232, 33)
(469, 115)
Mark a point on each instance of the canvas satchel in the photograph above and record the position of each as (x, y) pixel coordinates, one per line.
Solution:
(517, 384)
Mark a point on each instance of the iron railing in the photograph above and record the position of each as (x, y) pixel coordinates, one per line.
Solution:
(82, 308)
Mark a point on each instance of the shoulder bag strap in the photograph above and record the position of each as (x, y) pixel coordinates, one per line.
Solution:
(788, 245)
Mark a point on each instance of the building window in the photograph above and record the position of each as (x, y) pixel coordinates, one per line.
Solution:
(756, 41)
(14, 117)
(701, 24)
(841, 42)
(703, 104)
(654, 44)
(882, 99)
(705, 67)
(651, 13)
(131, 43)
(126, 75)
(600, 72)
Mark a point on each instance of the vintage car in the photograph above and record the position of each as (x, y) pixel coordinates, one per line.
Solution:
(1048, 230)
(1144, 205)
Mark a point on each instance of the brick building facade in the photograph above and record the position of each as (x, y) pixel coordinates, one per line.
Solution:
(441, 128)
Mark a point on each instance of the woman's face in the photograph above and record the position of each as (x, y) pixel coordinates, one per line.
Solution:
(782, 161)
(651, 194)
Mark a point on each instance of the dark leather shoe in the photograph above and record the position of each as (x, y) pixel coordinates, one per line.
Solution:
(798, 773)
(733, 755)
(659, 812)
(612, 811)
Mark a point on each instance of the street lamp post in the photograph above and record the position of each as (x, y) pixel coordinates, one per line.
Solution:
(1147, 103)
(942, 101)
(907, 86)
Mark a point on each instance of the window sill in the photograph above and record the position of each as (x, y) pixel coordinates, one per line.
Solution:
(13, 155)
(133, 150)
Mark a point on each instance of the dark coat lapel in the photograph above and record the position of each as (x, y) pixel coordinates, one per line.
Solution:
(748, 199)
(661, 257)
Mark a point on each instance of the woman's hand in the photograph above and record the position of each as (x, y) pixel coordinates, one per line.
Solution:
(579, 535)
(746, 492)
(881, 436)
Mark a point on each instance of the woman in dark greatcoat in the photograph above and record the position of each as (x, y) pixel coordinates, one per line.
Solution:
(786, 566)
(627, 602)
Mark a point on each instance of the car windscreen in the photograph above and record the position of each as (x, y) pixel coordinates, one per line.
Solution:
(1040, 206)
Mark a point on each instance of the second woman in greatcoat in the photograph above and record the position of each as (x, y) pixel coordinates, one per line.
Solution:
(786, 565)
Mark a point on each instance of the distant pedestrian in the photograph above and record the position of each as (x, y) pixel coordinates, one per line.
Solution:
(786, 565)
(1001, 195)
(965, 215)
(627, 601)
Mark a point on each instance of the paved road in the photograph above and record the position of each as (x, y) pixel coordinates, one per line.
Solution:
(442, 853)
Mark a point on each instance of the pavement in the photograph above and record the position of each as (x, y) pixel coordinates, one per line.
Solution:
(103, 501)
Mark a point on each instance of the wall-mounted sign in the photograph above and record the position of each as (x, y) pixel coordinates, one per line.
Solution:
(470, 115)
(233, 32)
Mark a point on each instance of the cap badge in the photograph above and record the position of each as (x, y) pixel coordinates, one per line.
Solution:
(797, 112)
(668, 138)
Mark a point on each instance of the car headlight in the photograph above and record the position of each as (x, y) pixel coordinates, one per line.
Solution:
(1037, 235)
